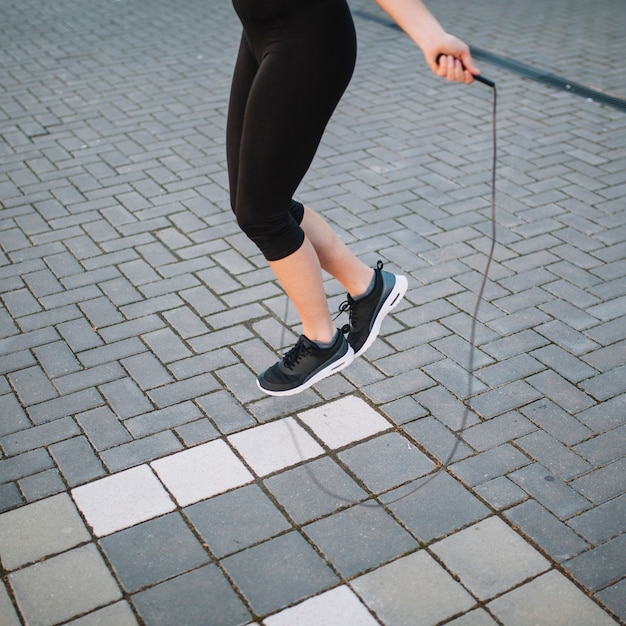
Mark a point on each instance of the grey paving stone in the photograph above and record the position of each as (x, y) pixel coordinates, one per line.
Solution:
(154, 551)
(41, 485)
(7, 609)
(386, 461)
(118, 614)
(447, 408)
(182, 390)
(554, 494)
(279, 572)
(602, 483)
(314, 489)
(40, 529)
(614, 597)
(490, 464)
(155, 421)
(224, 410)
(601, 523)
(103, 428)
(140, 450)
(555, 421)
(10, 496)
(359, 538)
(146, 370)
(79, 335)
(546, 531)
(384, 590)
(64, 586)
(535, 602)
(489, 558)
(125, 398)
(39, 436)
(13, 416)
(32, 386)
(498, 430)
(196, 598)
(57, 359)
(501, 492)
(553, 455)
(55, 410)
(404, 410)
(605, 448)
(434, 507)
(76, 460)
(454, 378)
(605, 416)
(509, 370)
(510, 396)
(236, 520)
(197, 432)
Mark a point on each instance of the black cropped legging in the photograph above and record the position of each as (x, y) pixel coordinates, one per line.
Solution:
(295, 60)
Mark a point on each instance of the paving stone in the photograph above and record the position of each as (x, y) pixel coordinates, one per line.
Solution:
(10, 496)
(118, 614)
(314, 489)
(386, 461)
(603, 483)
(510, 396)
(279, 572)
(64, 586)
(434, 507)
(550, 534)
(489, 558)
(180, 391)
(195, 598)
(554, 494)
(605, 448)
(76, 460)
(344, 421)
(140, 450)
(32, 386)
(236, 520)
(490, 464)
(38, 436)
(478, 617)
(336, 607)
(605, 416)
(7, 610)
(155, 421)
(102, 428)
(13, 416)
(275, 446)
(501, 492)
(555, 421)
(228, 415)
(498, 430)
(57, 409)
(614, 597)
(359, 538)
(553, 455)
(447, 408)
(122, 500)
(152, 552)
(602, 522)
(201, 472)
(395, 591)
(535, 602)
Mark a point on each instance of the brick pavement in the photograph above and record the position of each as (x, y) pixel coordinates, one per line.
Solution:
(145, 479)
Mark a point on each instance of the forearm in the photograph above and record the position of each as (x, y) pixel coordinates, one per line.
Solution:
(445, 54)
(415, 19)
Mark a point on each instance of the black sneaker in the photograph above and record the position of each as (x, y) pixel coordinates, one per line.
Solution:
(304, 365)
(368, 312)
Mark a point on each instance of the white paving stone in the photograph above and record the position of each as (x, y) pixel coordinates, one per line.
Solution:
(201, 472)
(337, 607)
(274, 446)
(122, 500)
(549, 599)
(490, 558)
(344, 421)
(412, 591)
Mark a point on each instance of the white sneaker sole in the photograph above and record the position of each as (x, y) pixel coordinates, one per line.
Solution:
(333, 368)
(393, 299)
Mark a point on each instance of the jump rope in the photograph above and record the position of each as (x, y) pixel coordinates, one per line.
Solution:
(472, 338)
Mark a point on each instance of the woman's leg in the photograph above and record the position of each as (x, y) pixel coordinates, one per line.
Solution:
(334, 256)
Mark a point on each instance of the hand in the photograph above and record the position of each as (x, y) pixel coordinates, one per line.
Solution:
(450, 58)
